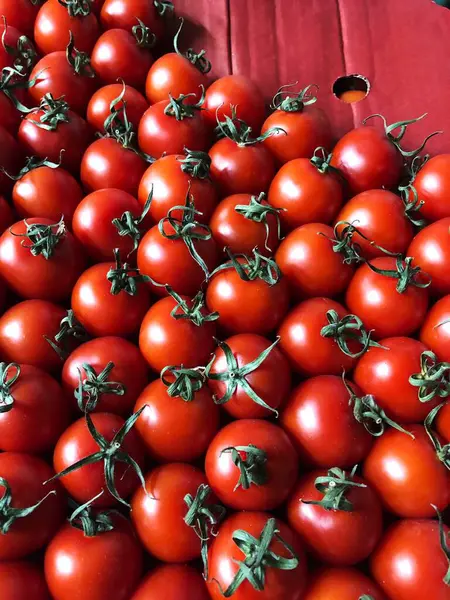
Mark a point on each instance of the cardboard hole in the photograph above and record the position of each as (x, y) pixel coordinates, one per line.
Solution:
(351, 88)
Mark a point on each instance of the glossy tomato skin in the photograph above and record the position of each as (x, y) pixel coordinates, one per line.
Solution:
(281, 466)
(367, 160)
(166, 341)
(20, 14)
(271, 380)
(407, 473)
(170, 186)
(308, 262)
(224, 556)
(173, 74)
(11, 159)
(241, 169)
(305, 194)
(342, 583)
(53, 24)
(122, 14)
(87, 482)
(373, 297)
(409, 563)
(22, 580)
(433, 187)
(129, 369)
(47, 192)
(174, 429)
(435, 331)
(243, 94)
(159, 516)
(26, 475)
(241, 235)
(431, 252)
(107, 164)
(98, 109)
(380, 216)
(443, 423)
(75, 563)
(308, 352)
(171, 582)
(317, 410)
(34, 276)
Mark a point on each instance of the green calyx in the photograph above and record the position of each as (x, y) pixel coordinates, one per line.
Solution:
(434, 377)
(183, 383)
(91, 386)
(124, 278)
(9, 374)
(90, 523)
(143, 35)
(349, 328)
(194, 312)
(335, 486)
(12, 79)
(129, 225)
(295, 103)
(239, 132)
(412, 204)
(443, 538)
(366, 597)
(9, 514)
(236, 376)
(54, 112)
(69, 328)
(164, 7)
(344, 244)
(203, 517)
(196, 164)
(23, 53)
(321, 159)
(442, 451)
(43, 238)
(77, 8)
(199, 59)
(404, 272)
(31, 163)
(110, 453)
(177, 107)
(252, 464)
(258, 212)
(250, 268)
(79, 61)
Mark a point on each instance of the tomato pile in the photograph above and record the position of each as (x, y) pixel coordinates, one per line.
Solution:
(224, 335)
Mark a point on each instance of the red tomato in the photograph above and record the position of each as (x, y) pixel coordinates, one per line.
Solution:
(54, 22)
(342, 584)
(431, 252)
(409, 563)
(6, 215)
(251, 465)
(247, 365)
(125, 380)
(10, 44)
(407, 474)
(11, 156)
(240, 92)
(166, 340)
(171, 582)
(307, 192)
(118, 54)
(75, 563)
(435, 332)
(99, 106)
(20, 14)
(10, 117)
(25, 476)
(433, 188)
(373, 296)
(36, 276)
(123, 14)
(227, 552)
(22, 580)
(319, 409)
(309, 263)
(380, 216)
(443, 422)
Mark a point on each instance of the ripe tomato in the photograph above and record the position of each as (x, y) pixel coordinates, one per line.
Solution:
(171, 582)
(54, 22)
(380, 216)
(433, 188)
(123, 14)
(409, 563)
(20, 14)
(22, 580)
(318, 409)
(431, 252)
(443, 422)
(407, 474)
(342, 583)
(10, 44)
(38, 277)
(282, 581)
(251, 465)
(250, 377)
(7, 217)
(116, 393)
(307, 192)
(376, 299)
(99, 107)
(87, 481)
(25, 476)
(309, 263)
(435, 332)
(11, 157)
(75, 563)
(240, 92)
(341, 531)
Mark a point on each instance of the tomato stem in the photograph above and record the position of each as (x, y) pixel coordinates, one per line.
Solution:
(197, 164)
(54, 112)
(433, 379)
(257, 212)
(404, 272)
(9, 514)
(93, 386)
(92, 524)
(335, 486)
(239, 132)
(79, 61)
(297, 102)
(199, 59)
(7, 380)
(143, 35)
(34, 162)
(194, 312)
(252, 464)
(77, 8)
(442, 451)
(124, 278)
(183, 383)
(69, 327)
(251, 268)
(163, 7)
(44, 238)
(24, 53)
(178, 109)
(129, 225)
(347, 329)
(443, 538)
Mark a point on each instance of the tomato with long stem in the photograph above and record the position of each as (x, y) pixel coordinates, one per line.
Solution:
(122, 14)
(99, 106)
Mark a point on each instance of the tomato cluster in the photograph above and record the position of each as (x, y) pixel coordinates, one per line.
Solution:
(224, 336)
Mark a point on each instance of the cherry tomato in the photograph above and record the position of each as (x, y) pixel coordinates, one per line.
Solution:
(380, 216)
(318, 410)
(226, 555)
(22, 580)
(171, 582)
(407, 474)
(376, 300)
(20, 14)
(435, 332)
(342, 583)
(123, 14)
(98, 109)
(53, 26)
(75, 563)
(409, 563)
(10, 39)
(129, 371)
(26, 476)
(312, 268)
(307, 193)
(11, 157)
(36, 276)
(251, 465)
(433, 188)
